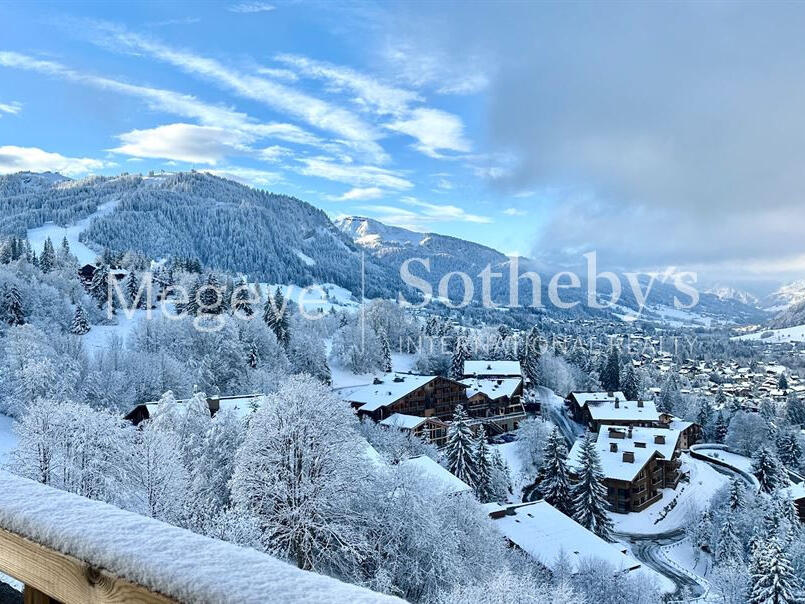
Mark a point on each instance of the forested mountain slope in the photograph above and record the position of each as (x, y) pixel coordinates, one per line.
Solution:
(227, 226)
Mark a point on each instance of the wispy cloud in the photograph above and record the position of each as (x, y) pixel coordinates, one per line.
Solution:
(251, 7)
(180, 21)
(358, 176)
(371, 93)
(424, 217)
(12, 108)
(514, 212)
(34, 159)
(444, 212)
(183, 142)
(358, 194)
(346, 126)
(435, 131)
(248, 176)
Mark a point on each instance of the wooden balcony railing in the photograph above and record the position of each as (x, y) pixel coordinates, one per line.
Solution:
(73, 550)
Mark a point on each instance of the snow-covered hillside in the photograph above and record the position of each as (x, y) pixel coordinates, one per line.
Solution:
(776, 336)
(726, 292)
(788, 295)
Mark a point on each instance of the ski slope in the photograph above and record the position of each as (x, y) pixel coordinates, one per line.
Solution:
(776, 336)
(85, 254)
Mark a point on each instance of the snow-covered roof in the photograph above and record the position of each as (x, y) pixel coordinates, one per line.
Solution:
(493, 368)
(443, 480)
(612, 463)
(493, 388)
(392, 387)
(622, 410)
(583, 398)
(545, 533)
(403, 421)
(679, 424)
(242, 405)
(794, 492)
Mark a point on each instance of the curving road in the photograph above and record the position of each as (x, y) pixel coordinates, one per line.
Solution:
(647, 549)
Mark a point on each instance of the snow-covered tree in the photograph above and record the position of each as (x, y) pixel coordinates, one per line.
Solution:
(13, 312)
(589, 494)
(461, 353)
(630, 384)
(459, 449)
(789, 448)
(610, 376)
(385, 353)
(737, 495)
(47, 261)
(555, 485)
(99, 287)
(295, 472)
(275, 314)
(728, 547)
(772, 578)
(532, 435)
(80, 324)
(768, 470)
(483, 469)
(720, 428)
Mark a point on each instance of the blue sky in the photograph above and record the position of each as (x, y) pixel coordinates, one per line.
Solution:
(323, 103)
(656, 134)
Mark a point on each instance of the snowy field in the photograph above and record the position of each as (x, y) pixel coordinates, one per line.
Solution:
(704, 482)
(344, 378)
(97, 337)
(519, 478)
(56, 233)
(320, 298)
(778, 336)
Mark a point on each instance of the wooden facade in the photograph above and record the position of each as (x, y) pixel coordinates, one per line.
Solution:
(437, 397)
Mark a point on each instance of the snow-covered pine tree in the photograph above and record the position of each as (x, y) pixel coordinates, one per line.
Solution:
(782, 383)
(703, 415)
(241, 304)
(795, 409)
(80, 324)
(728, 548)
(461, 353)
(772, 577)
(65, 245)
(789, 449)
(768, 470)
(702, 534)
(721, 398)
(630, 384)
(720, 428)
(12, 306)
(211, 296)
(459, 450)
(193, 299)
(483, 469)
(555, 485)
(99, 287)
(737, 495)
(669, 394)
(252, 355)
(274, 314)
(500, 479)
(530, 356)
(385, 352)
(610, 377)
(589, 495)
(47, 261)
(132, 287)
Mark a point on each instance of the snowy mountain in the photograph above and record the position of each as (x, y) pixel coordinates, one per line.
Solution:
(787, 296)
(392, 245)
(726, 292)
(227, 226)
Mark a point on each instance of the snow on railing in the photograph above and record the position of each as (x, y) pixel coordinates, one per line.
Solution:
(76, 550)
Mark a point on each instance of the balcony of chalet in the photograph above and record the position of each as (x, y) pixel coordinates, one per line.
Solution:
(65, 548)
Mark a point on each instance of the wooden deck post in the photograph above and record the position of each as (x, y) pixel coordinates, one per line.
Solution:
(33, 596)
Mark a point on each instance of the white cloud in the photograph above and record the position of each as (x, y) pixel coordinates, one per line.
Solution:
(444, 212)
(514, 212)
(358, 194)
(355, 175)
(282, 74)
(431, 67)
(248, 176)
(12, 108)
(183, 142)
(320, 114)
(434, 129)
(372, 94)
(251, 7)
(274, 153)
(33, 159)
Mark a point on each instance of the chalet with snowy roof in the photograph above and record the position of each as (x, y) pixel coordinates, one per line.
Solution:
(240, 405)
(500, 398)
(637, 462)
(595, 409)
(429, 429)
(407, 394)
(689, 432)
(87, 272)
(493, 369)
(548, 536)
(439, 479)
(796, 494)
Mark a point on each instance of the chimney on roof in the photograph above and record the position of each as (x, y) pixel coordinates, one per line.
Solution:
(628, 456)
(376, 381)
(610, 394)
(640, 403)
(630, 432)
(617, 404)
(613, 447)
(659, 439)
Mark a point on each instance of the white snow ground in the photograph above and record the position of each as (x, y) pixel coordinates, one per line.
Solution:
(778, 336)
(56, 233)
